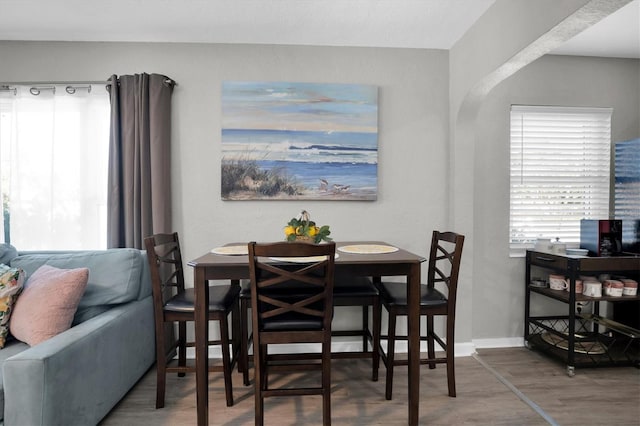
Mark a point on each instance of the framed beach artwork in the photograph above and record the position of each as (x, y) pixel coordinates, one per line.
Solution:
(299, 141)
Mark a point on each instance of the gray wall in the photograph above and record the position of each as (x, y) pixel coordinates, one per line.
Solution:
(503, 43)
(510, 35)
(498, 285)
(413, 123)
(415, 163)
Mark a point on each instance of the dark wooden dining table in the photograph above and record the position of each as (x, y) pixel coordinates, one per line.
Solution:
(211, 266)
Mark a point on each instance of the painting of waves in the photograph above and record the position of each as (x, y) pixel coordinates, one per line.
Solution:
(310, 141)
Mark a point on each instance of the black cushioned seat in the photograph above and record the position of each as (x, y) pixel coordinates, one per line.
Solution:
(221, 298)
(354, 287)
(396, 294)
(293, 322)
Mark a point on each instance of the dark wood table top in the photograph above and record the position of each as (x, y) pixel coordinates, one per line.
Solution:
(401, 256)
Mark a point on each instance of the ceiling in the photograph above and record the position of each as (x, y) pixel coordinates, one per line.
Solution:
(431, 24)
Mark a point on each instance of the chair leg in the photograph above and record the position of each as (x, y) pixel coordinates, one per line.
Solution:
(243, 365)
(431, 351)
(365, 327)
(161, 365)
(326, 381)
(235, 333)
(226, 359)
(265, 367)
(377, 319)
(182, 345)
(258, 366)
(160, 385)
(391, 340)
(450, 354)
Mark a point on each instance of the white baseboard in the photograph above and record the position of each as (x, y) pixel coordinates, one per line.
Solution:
(501, 342)
(464, 349)
(340, 345)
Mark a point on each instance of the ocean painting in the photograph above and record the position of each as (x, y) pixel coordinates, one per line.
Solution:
(299, 141)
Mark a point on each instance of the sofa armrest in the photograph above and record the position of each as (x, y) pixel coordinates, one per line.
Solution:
(76, 377)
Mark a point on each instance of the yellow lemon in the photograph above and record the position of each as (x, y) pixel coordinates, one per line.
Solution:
(313, 231)
(289, 230)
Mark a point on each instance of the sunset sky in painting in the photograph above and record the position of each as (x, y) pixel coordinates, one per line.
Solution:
(299, 106)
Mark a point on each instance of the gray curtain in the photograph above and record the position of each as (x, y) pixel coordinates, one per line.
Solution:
(139, 199)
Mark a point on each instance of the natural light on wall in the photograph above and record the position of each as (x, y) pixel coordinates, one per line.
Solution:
(560, 172)
(54, 155)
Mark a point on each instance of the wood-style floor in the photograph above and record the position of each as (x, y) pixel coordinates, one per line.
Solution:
(512, 386)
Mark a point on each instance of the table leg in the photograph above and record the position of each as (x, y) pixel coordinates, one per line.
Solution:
(413, 325)
(201, 347)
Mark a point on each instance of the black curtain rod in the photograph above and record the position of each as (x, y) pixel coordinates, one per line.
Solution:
(36, 87)
(73, 83)
(56, 83)
(167, 81)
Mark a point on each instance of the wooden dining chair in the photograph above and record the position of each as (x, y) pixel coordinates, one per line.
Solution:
(281, 316)
(347, 291)
(173, 303)
(444, 265)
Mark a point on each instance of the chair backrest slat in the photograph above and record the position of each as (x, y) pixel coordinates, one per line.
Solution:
(444, 262)
(165, 259)
(281, 288)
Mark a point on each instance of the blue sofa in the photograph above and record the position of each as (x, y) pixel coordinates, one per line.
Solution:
(78, 376)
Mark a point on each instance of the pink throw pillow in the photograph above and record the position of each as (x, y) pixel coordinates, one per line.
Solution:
(48, 303)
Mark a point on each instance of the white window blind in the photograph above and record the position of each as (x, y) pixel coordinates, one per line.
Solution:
(560, 172)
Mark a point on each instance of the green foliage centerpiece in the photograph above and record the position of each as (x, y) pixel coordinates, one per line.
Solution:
(302, 228)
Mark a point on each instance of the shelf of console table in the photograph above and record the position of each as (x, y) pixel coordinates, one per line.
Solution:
(581, 339)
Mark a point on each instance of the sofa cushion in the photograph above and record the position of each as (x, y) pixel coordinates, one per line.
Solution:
(48, 303)
(89, 312)
(7, 253)
(11, 282)
(114, 274)
(12, 348)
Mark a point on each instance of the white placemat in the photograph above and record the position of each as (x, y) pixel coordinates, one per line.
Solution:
(301, 259)
(368, 249)
(231, 250)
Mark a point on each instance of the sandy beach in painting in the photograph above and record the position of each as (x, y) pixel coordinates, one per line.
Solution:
(334, 165)
(309, 194)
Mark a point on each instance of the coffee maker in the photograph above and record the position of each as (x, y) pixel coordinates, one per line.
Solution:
(601, 237)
